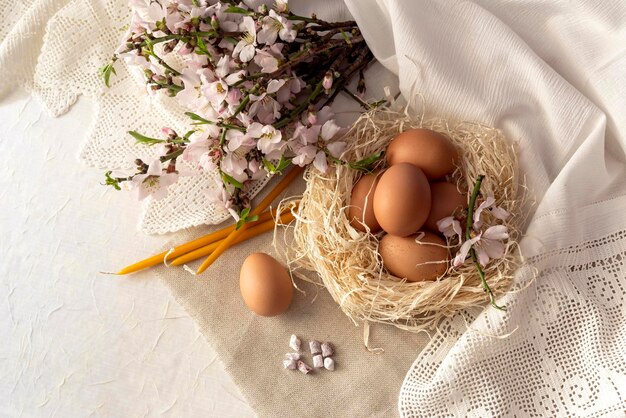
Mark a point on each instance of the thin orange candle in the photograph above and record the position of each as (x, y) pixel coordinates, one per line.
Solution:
(253, 231)
(192, 245)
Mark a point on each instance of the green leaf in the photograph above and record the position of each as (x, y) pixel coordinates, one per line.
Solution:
(230, 180)
(188, 135)
(279, 167)
(283, 163)
(142, 139)
(110, 181)
(345, 37)
(245, 218)
(238, 10)
(198, 119)
(269, 166)
(201, 48)
(105, 72)
(366, 163)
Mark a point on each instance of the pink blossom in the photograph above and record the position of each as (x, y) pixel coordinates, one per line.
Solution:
(229, 22)
(268, 58)
(269, 139)
(215, 92)
(133, 59)
(336, 148)
(246, 47)
(291, 87)
(488, 245)
(307, 134)
(450, 227)
(329, 130)
(256, 169)
(496, 211)
(265, 108)
(223, 71)
(236, 140)
(276, 25)
(274, 85)
(304, 154)
(146, 13)
(203, 152)
(173, 19)
(154, 182)
(310, 144)
(192, 96)
(235, 164)
(218, 194)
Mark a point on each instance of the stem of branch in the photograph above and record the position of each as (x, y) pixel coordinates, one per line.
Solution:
(468, 236)
(171, 156)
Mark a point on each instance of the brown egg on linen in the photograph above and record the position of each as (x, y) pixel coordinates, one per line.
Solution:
(431, 151)
(265, 285)
(445, 200)
(418, 257)
(361, 209)
(402, 199)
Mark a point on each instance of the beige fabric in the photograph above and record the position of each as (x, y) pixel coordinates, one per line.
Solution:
(252, 347)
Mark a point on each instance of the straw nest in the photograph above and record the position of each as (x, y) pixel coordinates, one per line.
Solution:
(347, 261)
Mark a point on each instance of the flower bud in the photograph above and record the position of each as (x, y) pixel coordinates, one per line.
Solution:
(168, 132)
(160, 25)
(215, 23)
(282, 6)
(327, 83)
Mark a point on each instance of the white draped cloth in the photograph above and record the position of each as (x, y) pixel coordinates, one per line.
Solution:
(551, 75)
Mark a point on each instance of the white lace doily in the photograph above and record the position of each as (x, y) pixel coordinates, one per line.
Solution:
(54, 49)
(564, 356)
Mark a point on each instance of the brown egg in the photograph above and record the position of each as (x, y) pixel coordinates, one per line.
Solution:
(431, 151)
(361, 209)
(265, 285)
(402, 199)
(445, 200)
(405, 258)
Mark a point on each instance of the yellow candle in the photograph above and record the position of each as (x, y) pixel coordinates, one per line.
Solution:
(192, 245)
(253, 231)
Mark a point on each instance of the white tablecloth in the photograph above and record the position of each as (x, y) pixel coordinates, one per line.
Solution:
(76, 342)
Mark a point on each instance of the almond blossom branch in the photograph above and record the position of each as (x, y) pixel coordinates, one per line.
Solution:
(472, 251)
(256, 84)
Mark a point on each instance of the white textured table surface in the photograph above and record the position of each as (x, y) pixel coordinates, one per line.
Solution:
(76, 342)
